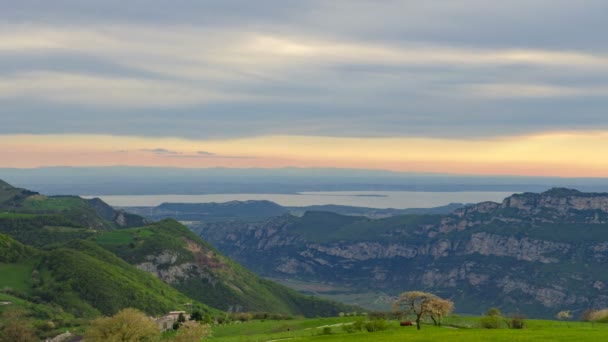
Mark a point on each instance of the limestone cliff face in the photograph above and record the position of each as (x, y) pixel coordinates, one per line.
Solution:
(170, 268)
(548, 250)
(553, 206)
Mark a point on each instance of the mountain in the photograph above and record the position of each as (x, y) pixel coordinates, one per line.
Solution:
(129, 180)
(82, 256)
(212, 212)
(177, 256)
(82, 279)
(375, 212)
(253, 211)
(93, 213)
(533, 253)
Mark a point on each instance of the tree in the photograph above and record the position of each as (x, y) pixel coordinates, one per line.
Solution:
(129, 325)
(563, 315)
(493, 312)
(16, 331)
(180, 320)
(15, 327)
(192, 331)
(422, 304)
(196, 316)
(440, 308)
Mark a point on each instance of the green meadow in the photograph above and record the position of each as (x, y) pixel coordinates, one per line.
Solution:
(16, 276)
(455, 328)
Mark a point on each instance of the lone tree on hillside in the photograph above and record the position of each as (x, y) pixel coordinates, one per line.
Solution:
(423, 304)
(563, 315)
(440, 308)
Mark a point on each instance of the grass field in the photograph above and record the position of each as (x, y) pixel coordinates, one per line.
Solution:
(16, 276)
(115, 237)
(123, 236)
(38, 203)
(377, 301)
(455, 329)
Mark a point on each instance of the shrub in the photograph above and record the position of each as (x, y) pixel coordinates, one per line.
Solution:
(349, 328)
(18, 332)
(192, 331)
(376, 325)
(242, 316)
(196, 316)
(493, 312)
(128, 322)
(517, 322)
(490, 322)
(564, 314)
(596, 315)
(355, 326)
(326, 331)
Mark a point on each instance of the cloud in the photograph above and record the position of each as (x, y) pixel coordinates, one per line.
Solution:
(204, 69)
(160, 151)
(507, 90)
(163, 152)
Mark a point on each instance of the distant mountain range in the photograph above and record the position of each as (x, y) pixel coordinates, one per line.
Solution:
(252, 211)
(533, 253)
(126, 180)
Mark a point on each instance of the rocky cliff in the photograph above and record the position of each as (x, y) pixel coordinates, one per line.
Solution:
(532, 253)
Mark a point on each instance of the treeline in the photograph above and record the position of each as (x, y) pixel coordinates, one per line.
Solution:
(34, 229)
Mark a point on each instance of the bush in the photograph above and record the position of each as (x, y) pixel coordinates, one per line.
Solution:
(596, 315)
(192, 331)
(490, 322)
(242, 316)
(493, 312)
(18, 332)
(349, 328)
(355, 326)
(128, 322)
(564, 314)
(326, 331)
(376, 325)
(517, 322)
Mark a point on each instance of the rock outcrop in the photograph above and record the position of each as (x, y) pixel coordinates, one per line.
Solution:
(538, 252)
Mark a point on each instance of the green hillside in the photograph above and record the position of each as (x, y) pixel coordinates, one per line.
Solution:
(87, 280)
(93, 213)
(42, 229)
(83, 279)
(12, 251)
(167, 248)
(65, 258)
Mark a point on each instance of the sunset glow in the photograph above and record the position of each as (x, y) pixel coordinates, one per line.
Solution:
(568, 154)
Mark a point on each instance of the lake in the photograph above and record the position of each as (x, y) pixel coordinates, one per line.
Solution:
(370, 199)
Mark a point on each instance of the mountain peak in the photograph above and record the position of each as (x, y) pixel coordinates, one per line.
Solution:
(562, 192)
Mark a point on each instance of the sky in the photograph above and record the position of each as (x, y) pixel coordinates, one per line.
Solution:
(466, 87)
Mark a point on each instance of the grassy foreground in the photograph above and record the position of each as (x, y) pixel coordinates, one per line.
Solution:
(456, 329)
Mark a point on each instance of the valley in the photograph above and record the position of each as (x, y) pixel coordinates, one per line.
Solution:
(532, 253)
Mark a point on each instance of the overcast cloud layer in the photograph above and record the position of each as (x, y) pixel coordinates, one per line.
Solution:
(202, 69)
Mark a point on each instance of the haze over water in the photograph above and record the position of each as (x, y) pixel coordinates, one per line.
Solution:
(370, 199)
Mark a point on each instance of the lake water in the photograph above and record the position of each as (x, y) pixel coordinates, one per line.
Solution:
(370, 199)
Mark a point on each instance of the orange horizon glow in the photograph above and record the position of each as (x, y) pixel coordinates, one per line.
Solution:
(561, 154)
